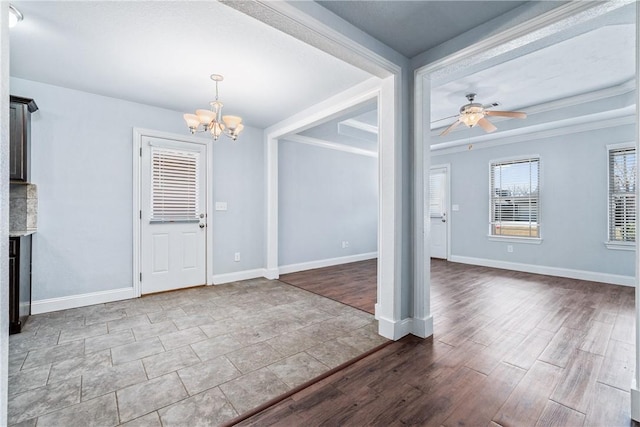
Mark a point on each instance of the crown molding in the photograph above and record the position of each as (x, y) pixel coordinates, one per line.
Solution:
(542, 133)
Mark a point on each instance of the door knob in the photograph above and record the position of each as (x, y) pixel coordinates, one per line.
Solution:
(201, 225)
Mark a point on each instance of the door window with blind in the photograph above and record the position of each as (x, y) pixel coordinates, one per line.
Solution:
(622, 195)
(515, 195)
(174, 185)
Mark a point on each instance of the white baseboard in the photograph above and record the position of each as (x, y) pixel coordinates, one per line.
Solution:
(293, 268)
(74, 301)
(422, 328)
(592, 276)
(271, 273)
(394, 329)
(219, 279)
(635, 400)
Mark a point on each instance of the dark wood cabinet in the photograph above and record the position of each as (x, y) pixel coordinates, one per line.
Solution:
(19, 282)
(20, 138)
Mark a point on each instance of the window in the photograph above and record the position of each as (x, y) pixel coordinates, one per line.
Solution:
(622, 195)
(174, 189)
(514, 198)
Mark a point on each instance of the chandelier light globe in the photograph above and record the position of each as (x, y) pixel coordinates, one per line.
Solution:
(212, 120)
(192, 122)
(15, 16)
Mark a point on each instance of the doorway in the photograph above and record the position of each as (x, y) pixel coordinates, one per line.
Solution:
(439, 211)
(172, 213)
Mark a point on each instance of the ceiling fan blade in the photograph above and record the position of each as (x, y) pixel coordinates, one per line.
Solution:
(444, 118)
(450, 128)
(515, 114)
(486, 125)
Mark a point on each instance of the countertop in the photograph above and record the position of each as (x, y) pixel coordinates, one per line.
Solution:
(21, 233)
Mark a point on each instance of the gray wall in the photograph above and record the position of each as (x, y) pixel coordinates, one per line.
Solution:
(325, 197)
(573, 203)
(238, 179)
(82, 163)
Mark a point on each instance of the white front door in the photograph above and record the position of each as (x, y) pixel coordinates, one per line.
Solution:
(173, 214)
(438, 211)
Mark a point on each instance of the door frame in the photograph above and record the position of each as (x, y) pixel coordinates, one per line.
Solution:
(447, 168)
(138, 134)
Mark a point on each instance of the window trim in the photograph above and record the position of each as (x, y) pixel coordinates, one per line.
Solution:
(616, 244)
(516, 239)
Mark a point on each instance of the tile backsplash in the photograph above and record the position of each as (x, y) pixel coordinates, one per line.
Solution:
(23, 207)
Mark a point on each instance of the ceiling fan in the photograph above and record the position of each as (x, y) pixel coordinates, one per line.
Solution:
(472, 114)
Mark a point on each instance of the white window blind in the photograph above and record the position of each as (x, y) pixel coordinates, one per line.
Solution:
(622, 195)
(174, 189)
(515, 198)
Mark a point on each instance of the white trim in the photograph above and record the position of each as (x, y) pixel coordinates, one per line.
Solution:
(330, 145)
(495, 140)
(635, 400)
(219, 279)
(514, 239)
(422, 327)
(357, 124)
(310, 265)
(592, 276)
(394, 329)
(81, 300)
(621, 246)
(138, 134)
(387, 92)
(609, 147)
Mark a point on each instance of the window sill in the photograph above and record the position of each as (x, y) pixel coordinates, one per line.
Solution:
(621, 246)
(526, 240)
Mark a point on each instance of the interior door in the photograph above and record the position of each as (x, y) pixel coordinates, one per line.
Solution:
(173, 214)
(438, 211)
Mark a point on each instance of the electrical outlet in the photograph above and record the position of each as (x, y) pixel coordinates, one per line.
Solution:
(509, 248)
(236, 257)
(345, 244)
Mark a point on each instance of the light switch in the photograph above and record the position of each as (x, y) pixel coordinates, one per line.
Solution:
(455, 208)
(221, 206)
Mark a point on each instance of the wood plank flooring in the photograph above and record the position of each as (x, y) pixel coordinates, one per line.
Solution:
(509, 349)
(353, 284)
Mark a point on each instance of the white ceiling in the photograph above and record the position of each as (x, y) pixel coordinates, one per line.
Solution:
(162, 54)
(598, 59)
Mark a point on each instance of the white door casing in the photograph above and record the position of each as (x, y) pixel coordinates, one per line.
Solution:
(173, 206)
(439, 211)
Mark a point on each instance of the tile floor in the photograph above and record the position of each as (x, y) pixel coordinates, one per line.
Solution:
(194, 357)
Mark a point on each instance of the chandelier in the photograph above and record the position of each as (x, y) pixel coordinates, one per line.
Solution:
(212, 120)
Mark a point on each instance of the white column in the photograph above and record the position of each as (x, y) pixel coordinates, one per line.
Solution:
(272, 208)
(635, 391)
(422, 319)
(388, 308)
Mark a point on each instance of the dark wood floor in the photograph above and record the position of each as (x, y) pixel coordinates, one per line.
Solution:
(353, 284)
(509, 349)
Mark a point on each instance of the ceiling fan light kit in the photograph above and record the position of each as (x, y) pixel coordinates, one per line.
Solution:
(212, 120)
(474, 113)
